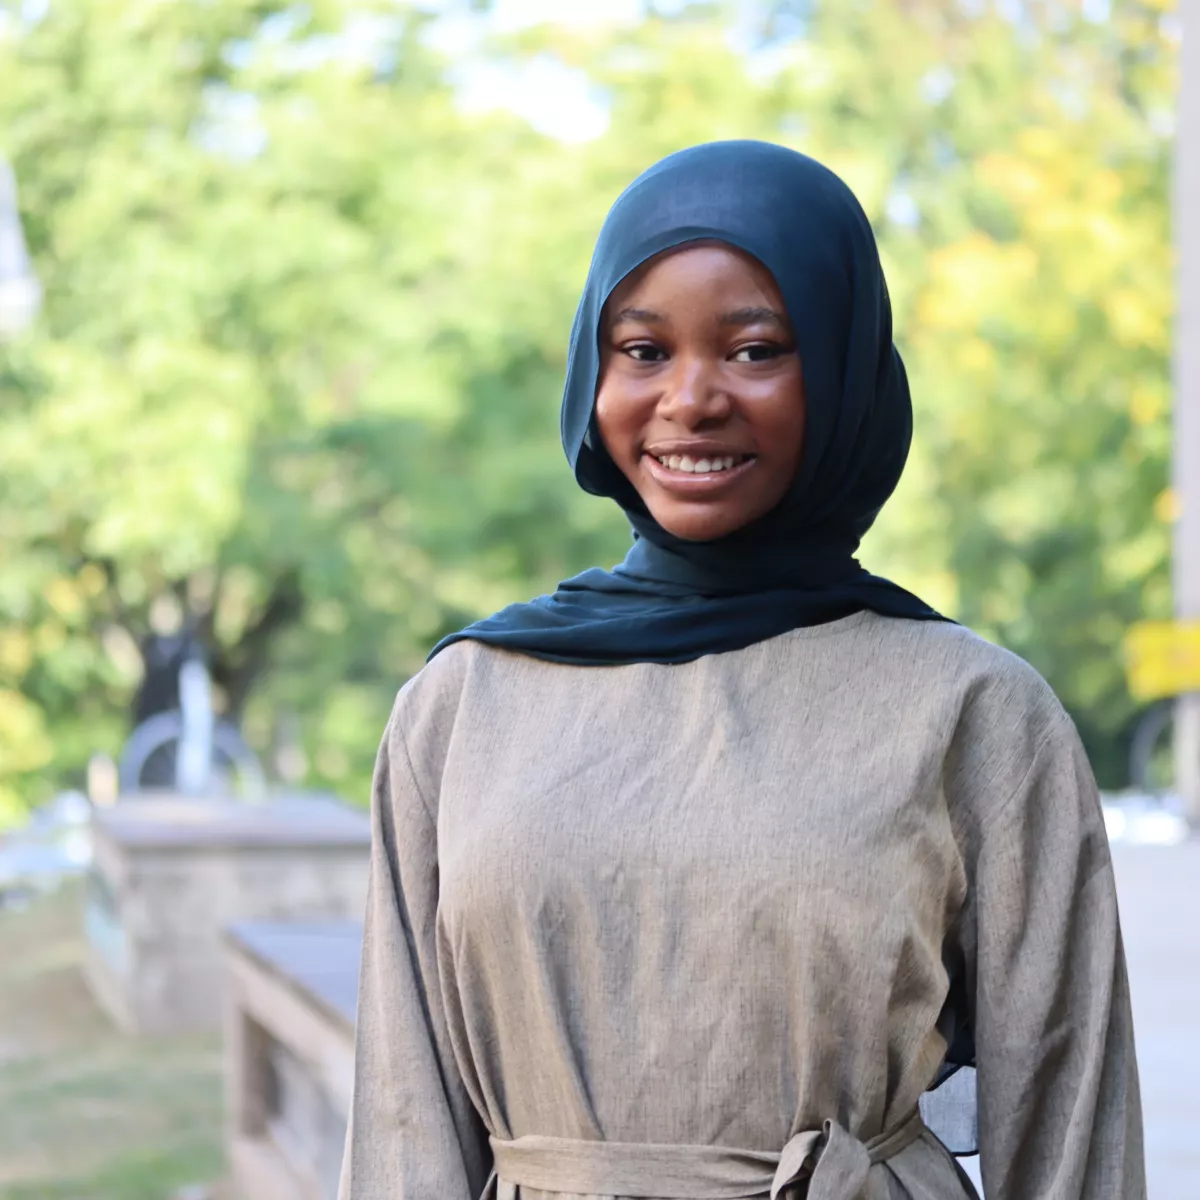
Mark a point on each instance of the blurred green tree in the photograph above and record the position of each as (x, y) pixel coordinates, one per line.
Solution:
(252, 237)
(295, 383)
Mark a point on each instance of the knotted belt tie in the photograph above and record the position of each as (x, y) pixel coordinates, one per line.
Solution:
(835, 1163)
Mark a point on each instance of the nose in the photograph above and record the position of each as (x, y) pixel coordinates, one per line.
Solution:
(694, 394)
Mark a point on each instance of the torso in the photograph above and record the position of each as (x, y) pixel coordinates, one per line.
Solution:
(715, 902)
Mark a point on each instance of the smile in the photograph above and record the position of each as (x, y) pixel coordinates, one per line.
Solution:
(699, 466)
(683, 473)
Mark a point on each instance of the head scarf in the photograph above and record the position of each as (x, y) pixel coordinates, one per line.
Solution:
(672, 600)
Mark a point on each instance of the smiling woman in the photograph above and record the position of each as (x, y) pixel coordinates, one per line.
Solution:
(735, 301)
(691, 880)
(701, 396)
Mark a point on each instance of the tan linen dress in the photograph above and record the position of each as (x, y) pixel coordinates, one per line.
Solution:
(686, 931)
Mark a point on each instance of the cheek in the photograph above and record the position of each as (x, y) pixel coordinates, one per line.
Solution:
(617, 417)
(604, 418)
(781, 423)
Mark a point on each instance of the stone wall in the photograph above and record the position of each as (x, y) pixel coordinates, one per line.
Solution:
(289, 1045)
(165, 885)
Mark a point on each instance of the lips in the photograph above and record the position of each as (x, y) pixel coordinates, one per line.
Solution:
(688, 475)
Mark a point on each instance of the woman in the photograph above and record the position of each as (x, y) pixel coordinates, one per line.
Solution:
(691, 878)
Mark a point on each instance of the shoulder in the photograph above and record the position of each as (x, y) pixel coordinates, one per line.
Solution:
(990, 713)
(438, 688)
(431, 697)
(427, 707)
(960, 662)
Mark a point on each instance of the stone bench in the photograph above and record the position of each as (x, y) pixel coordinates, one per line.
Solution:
(289, 1043)
(170, 874)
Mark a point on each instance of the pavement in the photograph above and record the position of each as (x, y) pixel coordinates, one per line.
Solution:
(1158, 888)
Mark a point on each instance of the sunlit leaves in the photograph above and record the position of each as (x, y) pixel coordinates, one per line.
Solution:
(306, 320)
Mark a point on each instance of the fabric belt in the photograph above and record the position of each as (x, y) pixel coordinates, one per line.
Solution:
(836, 1165)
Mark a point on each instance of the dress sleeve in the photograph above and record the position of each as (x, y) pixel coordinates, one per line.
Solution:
(413, 1133)
(1059, 1108)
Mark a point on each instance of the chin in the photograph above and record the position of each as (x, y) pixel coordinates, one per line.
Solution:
(699, 527)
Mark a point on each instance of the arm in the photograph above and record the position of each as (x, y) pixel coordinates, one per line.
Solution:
(413, 1133)
(1059, 1109)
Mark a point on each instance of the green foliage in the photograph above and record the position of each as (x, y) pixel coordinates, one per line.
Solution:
(296, 379)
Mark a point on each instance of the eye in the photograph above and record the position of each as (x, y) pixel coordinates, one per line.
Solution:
(759, 352)
(644, 352)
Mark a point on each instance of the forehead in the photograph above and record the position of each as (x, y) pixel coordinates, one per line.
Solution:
(708, 273)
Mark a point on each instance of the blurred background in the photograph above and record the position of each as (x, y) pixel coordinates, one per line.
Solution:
(285, 292)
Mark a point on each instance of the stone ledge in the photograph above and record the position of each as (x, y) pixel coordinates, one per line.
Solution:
(292, 989)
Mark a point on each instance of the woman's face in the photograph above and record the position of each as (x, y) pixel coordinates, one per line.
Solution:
(701, 397)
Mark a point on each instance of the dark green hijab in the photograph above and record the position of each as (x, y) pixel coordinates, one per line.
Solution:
(672, 601)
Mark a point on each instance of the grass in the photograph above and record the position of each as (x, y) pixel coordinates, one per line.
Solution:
(87, 1113)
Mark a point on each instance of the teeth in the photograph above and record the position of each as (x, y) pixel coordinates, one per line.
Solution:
(701, 466)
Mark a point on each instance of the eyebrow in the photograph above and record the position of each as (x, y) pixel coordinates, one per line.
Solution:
(738, 316)
(643, 315)
(752, 316)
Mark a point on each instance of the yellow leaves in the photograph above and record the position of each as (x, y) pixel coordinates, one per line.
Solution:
(977, 357)
(1060, 193)
(1168, 506)
(1045, 165)
(972, 278)
(1135, 321)
(92, 580)
(1038, 142)
(63, 596)
(24, 743)
(1012, 176)
(1079, 240)
(64, 604)
(1106, 233)
(16, 652)
(1147, 404)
